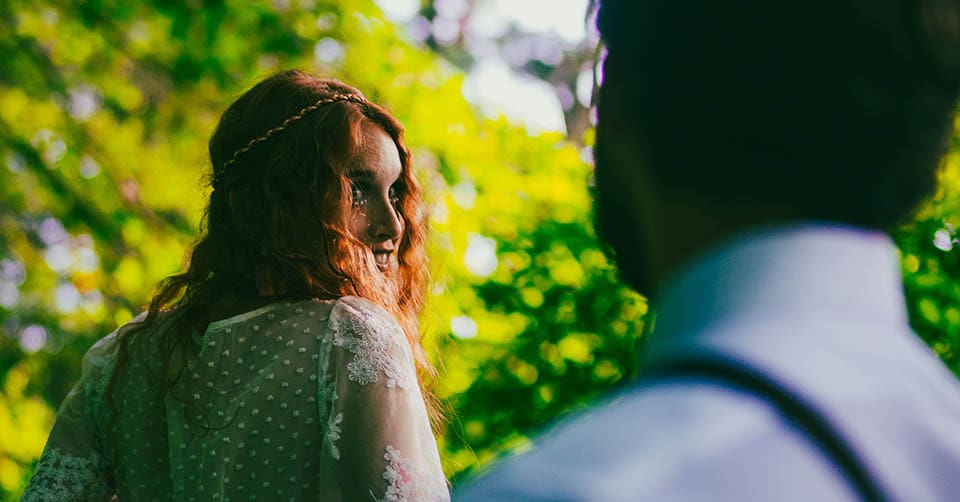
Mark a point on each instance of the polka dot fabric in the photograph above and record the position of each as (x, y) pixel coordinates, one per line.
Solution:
(313, 400)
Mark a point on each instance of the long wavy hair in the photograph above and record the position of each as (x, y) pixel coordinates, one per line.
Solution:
(275, 227)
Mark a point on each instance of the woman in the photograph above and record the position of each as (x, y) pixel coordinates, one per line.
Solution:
(283, 363)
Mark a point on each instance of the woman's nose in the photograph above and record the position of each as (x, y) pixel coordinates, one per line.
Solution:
(387, 222)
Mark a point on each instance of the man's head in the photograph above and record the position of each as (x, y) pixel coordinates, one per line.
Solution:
(771, 111)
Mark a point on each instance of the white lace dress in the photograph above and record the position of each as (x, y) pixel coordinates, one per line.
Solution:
(313, 400)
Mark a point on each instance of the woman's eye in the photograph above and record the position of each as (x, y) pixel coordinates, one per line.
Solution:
(395, 195)
(357, 195)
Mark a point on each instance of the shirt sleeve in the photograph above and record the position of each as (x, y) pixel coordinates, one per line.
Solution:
(73, 465)
(378, 444)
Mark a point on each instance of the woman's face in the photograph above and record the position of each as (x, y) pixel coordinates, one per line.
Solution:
(376, 189)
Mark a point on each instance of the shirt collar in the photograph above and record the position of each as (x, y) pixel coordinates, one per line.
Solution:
(793, 272)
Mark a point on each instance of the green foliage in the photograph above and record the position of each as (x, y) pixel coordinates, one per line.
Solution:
(105, 107)
(931, 266)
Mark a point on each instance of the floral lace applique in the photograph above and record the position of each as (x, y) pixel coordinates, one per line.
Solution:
(333, 435)
(406, 481)
(328, 395)
(369, 335)
(66, 477)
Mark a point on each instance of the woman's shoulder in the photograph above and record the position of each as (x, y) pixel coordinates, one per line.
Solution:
(98, 364)
(360, 306)
(104, 350)
(102, 355)
(359, 316)
(375, 341)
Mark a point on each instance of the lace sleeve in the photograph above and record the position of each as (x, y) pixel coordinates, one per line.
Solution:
(73, 465)
(378, 445)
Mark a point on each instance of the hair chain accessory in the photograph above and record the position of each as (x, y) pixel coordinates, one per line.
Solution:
(283, 125)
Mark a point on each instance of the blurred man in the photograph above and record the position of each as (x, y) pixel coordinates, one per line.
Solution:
(750, 156)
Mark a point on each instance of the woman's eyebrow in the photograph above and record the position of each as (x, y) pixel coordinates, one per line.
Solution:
(361, 174)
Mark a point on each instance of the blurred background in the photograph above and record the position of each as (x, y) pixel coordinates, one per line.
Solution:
(105, 110)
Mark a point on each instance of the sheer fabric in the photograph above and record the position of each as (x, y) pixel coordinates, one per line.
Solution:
(313, 400)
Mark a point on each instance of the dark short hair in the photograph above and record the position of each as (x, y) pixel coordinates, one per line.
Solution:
(834, 109)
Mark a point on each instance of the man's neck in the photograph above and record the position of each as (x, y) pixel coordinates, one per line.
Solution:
(685, 232)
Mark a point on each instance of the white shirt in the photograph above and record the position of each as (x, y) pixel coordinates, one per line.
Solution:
(821, 308)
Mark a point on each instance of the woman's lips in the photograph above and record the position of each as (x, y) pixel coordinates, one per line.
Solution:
(382, 259)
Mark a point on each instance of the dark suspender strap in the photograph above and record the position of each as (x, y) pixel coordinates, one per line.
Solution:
(798, 412)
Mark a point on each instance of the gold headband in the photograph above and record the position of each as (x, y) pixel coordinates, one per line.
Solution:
(217, 175)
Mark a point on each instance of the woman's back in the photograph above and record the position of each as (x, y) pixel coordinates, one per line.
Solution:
(291, 401)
